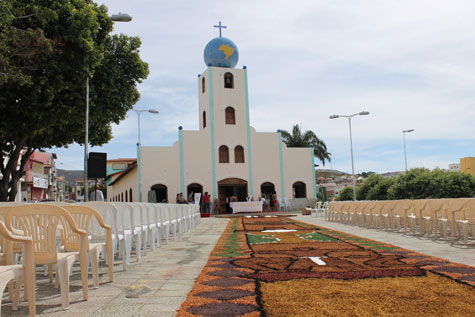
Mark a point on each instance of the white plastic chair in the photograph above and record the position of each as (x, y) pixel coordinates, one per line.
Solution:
(89, 220)
(162, 216)
(21, 273)
(141, 223)
(155, 225)
(132, 232)
(111, 217)
(40, 222)
(173, 220)
(287, 204)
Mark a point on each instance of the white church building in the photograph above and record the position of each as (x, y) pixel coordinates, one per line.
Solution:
(226, 157)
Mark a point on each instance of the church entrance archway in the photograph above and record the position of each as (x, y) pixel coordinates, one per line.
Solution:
(300, 190)
(195, 188)
(231, 189)
(267, 188)
(161, 193)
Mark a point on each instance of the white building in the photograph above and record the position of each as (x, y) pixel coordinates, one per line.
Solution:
(454, 167)
(226, 156)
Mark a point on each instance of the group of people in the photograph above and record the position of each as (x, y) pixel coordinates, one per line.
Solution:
(205, 201)
(269, 201)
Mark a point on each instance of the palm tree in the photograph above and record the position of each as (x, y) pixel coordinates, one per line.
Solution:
(305, 139)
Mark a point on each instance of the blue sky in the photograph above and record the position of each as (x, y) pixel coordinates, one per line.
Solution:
(409, 63)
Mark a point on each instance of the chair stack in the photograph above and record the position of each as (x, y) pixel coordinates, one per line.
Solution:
(431, 218)
(55, 235)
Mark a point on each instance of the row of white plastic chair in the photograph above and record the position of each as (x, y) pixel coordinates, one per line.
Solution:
(428, 217)
(320, 208)
(144, 225)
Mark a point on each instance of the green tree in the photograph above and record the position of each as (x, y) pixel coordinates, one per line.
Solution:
(346, 194)
(306, 139)
(45, 105)
(380, 189)
(19, 47)
(363, 189)
(420, 183)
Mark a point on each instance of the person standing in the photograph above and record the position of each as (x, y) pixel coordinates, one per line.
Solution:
(206, 199)
(191, 198)
(96, 195)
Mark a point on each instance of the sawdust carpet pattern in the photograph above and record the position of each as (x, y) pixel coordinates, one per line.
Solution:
(248, 267)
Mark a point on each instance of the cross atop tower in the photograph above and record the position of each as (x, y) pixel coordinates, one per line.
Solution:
(220, 27)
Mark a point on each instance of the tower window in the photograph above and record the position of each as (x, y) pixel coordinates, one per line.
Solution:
(203, 85)
(223, 154)
(228, 80)
(204, 119)
(238, 154)
(230, 115)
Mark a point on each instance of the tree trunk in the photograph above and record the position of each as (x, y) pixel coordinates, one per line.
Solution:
(11, 172)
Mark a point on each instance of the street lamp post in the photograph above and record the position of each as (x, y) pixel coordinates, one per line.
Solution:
(335, 116)
(121, 17)
(139, 177)
(404, 137)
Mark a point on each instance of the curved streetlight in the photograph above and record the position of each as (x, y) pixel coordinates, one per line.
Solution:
(121, 17)
(404, 137)
(139, 174)
(336, 116)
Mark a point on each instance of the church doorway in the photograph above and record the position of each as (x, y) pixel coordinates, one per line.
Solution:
(300, 190)
(161, 193)
(231, 189)
(195, 188)
(267, 188)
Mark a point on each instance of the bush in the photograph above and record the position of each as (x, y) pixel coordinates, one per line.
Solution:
(375, 187)
(346, 194)
(421, 183)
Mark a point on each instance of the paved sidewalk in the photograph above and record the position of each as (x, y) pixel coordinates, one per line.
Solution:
(440, 249)
(155, 286)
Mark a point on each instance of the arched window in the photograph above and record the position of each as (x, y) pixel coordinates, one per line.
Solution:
(223, 154)
(204, 119)
(126, 196)
(238, 154)
(130, 195)
(161, 193)
(228, 80)
(300, 190)
(203, 85)
(122, 197)
(230, 116)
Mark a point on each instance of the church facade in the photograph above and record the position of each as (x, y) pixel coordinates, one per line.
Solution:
(226, 156)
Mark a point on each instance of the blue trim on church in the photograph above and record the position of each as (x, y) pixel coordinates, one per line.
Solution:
(281, 157)
(249, 145)
(312, 159)
(182, 167)
(211, 124)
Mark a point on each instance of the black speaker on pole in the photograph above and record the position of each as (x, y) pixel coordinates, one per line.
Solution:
(96, 165)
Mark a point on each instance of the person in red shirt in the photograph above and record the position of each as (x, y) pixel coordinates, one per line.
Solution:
(206, 199)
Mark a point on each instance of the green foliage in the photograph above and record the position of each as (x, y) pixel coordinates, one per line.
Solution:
(420, 183)
(47, 52)
(306, 139)
(375, 187)
(346, 194)
(380, 190)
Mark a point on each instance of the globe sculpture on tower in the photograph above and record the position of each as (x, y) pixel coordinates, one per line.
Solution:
(221, 52)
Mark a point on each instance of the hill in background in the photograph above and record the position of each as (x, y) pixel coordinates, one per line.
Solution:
(70, 177)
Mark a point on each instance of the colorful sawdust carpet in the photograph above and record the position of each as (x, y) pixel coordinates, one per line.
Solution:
(277, 266)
